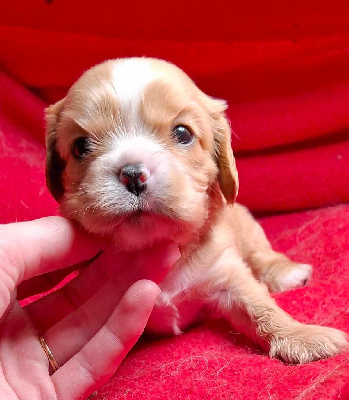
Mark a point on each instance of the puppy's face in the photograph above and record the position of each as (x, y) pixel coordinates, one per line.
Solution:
(135, 150)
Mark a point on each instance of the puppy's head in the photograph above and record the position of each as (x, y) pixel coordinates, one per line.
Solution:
(136, 150)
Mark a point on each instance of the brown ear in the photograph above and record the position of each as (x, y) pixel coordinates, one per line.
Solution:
(228, 175)
(55, 165)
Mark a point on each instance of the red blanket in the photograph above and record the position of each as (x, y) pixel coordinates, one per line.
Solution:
(284, 72)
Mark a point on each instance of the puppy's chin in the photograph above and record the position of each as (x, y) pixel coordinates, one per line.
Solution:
(138, 230)
(141, 230)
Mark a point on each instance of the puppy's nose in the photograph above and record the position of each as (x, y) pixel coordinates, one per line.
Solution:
(134, 177)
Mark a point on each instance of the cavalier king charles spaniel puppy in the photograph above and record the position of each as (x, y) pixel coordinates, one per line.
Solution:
(138, 154)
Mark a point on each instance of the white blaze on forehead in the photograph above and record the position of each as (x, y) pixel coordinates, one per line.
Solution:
(138, 149)
(130, 78)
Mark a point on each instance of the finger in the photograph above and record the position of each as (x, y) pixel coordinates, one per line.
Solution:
(44, 245)
(99, 358)
(152, 264)
(46, 282)
(33, 248)
(13, 299)
(70, 335)
(55, 306)
(23, 360)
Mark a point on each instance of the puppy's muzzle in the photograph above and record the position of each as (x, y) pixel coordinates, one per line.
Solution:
(134, 178)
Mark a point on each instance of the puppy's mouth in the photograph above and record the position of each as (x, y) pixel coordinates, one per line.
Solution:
(132, 222)
(138, 214)
(106, 214)
(137, 217)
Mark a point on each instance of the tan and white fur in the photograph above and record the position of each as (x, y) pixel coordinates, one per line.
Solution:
(126, 112)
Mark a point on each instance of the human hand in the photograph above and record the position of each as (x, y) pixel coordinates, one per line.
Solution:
(89, 325)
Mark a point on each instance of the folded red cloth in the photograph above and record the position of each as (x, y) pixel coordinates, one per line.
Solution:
(307, 177)
(279, 91)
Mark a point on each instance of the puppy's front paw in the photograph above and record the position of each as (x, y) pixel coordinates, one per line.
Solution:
(288, 276)
(305, 343)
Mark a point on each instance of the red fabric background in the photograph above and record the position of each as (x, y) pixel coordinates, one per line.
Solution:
(283, 67)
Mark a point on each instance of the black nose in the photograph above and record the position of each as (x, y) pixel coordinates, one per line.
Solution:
(134, 178)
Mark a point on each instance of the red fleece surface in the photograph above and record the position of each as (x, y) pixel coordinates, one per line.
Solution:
(284, 70)
(214, 362)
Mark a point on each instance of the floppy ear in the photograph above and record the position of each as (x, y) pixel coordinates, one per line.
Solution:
(228, 175)
(55, 165)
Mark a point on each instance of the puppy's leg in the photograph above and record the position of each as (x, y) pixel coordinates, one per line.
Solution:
(274, 269)
(246, 303)
(277, 271)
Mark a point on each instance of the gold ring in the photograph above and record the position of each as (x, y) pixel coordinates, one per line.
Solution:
(51, 359)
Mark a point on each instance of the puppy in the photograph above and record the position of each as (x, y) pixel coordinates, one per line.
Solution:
(136, 153)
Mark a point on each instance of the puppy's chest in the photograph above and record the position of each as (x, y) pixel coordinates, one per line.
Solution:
(179, 305)
(185, 292)
(173, 313)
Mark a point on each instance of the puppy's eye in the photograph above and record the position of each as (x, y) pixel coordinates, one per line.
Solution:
(81, 147)
(182, 134)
